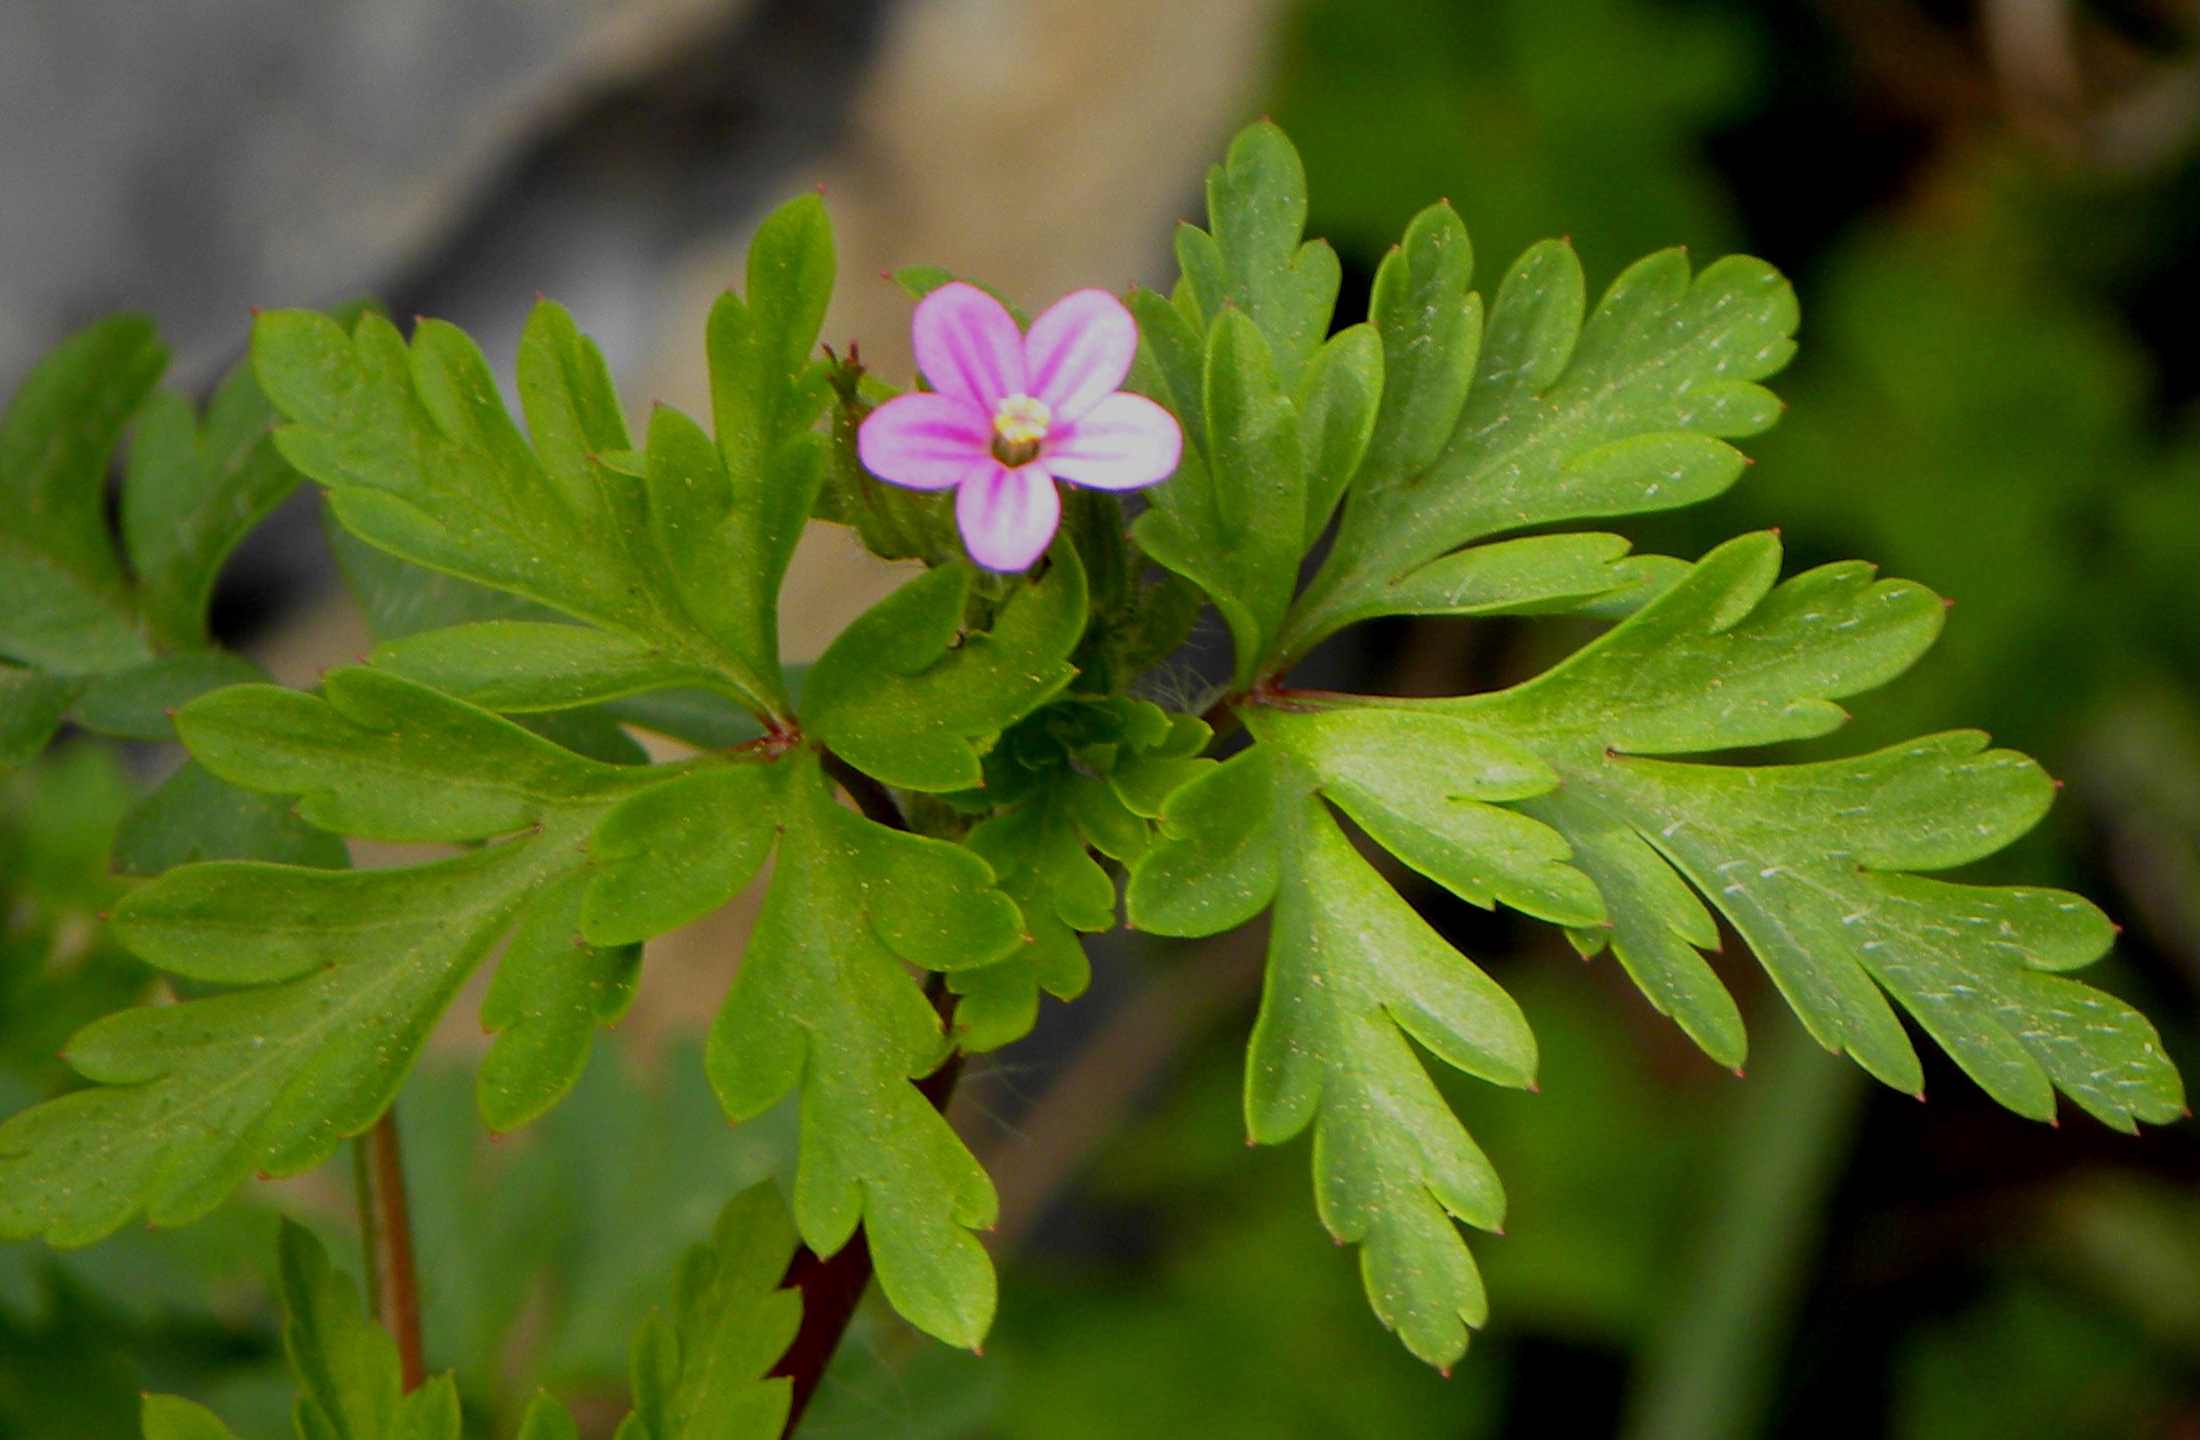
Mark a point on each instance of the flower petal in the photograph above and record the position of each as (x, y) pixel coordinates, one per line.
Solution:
(968, 345)
(1008, 517)
(1079, 351)
(1124, 442)
(926, 442)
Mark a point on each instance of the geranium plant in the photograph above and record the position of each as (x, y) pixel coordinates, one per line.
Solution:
(952, 792)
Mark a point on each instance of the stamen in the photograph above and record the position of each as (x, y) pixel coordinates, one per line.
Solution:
(1020, 426)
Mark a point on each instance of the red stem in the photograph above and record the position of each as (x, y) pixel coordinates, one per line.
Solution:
(385, 1224)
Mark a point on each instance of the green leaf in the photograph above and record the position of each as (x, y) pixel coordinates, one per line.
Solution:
(546, 1419)
(170, 1417)
(1352, 972)
(403, 600)
(193, 816)
(525, 665)
(1253, 261)
(31, 706)
(1810, 862)
(1431, 328)
(904, 694)
(135, 704)
(678, 851)
(421, 460)
(822, 1004)
(193, 491)
(342, 973)
(1234, 518)
(1563, 419)
(1038, 853)
(767, 392)
(387, 759)
(700, 1370)
(1422, 787)
(348, 1378)
(63, 602)
(1336, 403)
(550, 993)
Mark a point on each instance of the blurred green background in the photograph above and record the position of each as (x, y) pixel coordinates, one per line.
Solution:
(1990, 212)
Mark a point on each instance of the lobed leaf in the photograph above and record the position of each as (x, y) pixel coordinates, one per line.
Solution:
(1234, 518)
(1352, 971)
(700, 1370)
(822, 1006)
(421, 460)
(1625, 412)
(343, 972)
(1809, 862)
(906, 695)
(64, 607)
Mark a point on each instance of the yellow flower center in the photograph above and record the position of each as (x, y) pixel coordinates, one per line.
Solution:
(1019, 425)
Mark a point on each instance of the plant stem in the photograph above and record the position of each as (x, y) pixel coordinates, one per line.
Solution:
(385, 1229)
(832, 1286)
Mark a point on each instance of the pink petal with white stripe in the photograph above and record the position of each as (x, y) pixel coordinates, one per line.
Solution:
(968, 345)
(1079, 351)
(926, 442)
(1008, 517)
(1123, 443)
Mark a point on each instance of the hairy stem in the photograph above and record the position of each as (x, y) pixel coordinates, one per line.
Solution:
(832, 1286)
(385, 1229)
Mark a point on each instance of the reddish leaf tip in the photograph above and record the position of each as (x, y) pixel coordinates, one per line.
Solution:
(1947, 602)
(1534, 1089)
(1739, 1074)
(1443, 1372)
(1920, 1095)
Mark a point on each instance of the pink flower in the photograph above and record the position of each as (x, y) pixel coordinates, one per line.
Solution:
(1010, 413)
